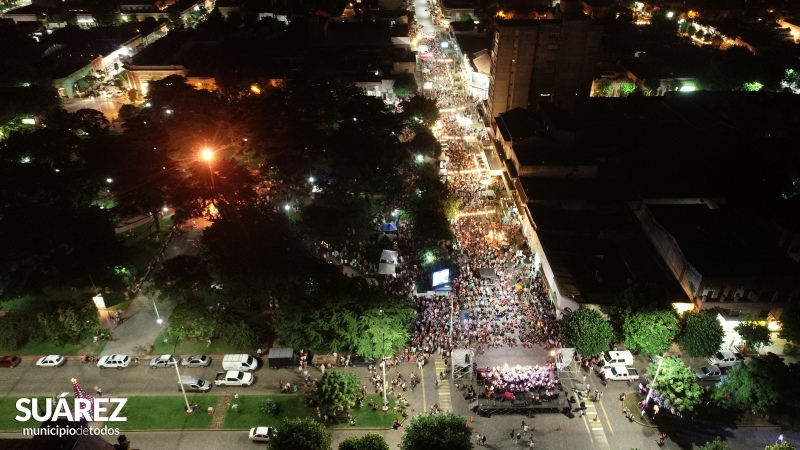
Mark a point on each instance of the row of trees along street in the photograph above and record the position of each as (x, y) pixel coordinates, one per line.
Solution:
(642, 318)
(267, 148)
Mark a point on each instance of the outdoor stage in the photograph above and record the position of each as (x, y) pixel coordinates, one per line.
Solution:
(526, 403)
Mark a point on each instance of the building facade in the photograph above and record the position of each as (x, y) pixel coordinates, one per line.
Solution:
(549, 59)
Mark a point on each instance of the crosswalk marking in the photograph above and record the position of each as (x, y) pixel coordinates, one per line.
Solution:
(444, 394)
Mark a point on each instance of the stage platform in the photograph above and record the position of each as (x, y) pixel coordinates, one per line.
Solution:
(485, 408)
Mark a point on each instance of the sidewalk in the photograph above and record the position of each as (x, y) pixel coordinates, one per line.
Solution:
(140, 326)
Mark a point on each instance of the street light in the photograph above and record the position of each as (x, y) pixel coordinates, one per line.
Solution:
(383, 366)
(180, 383)
(206, 155)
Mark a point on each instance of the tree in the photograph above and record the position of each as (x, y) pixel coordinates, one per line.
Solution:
(301, 434)
(369, 441)
(677, 384)
(650, 332)
(405, 85)
(716, 444)
(700, 335)
(765, 385)
(191, 321)
(183, 275)
(338, 391)
(781, 446)
(133, 96)
(438, 432)
(627, 87)
(419, 111)
(69, 322)
(425, 143)
(587, 330)
(637, 298)
(790, 322)
(754, 334)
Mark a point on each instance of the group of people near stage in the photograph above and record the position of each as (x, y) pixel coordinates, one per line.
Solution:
(517, 379)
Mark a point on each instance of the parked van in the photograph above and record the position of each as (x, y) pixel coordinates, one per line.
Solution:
(195, 384)
(617, 358)
(243, 363)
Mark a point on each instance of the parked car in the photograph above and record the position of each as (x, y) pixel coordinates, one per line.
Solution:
(709, 373)
(726, 359)
(261, 434)
(163, 361)
(10, 361)
(51, 361)
(233, 378)
(114, 362)
(196, 361)
(618, 373)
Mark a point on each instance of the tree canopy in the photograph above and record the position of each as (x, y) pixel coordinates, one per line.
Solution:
(700, 334)
(369, 441)
(755, 335)
(765, 384)
(587, 330)
(650, 332)
(716, 444)
(637, 298)
(677, 384)
(301, 434)
(437, 432)
(790, 322)
(338, 391)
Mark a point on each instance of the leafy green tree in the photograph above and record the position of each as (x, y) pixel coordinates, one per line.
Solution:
(627, 87)
(765, 385)
(183, 275)
(191, 321)
(405, 85)
(236, 333)
(700, 335)
(781, 446)
(716, 444)
(420, 111)
(127, 112)
(677, 384)
(269, 407)
(790, 323)
(438, 432)
(425, 143)
(651, 332)
(133, 96)
(637, 298)
(70, 322)
(15, 330)
(338, 391)
(754, 334)
(369, 441)
(587, 330)
(301, 434)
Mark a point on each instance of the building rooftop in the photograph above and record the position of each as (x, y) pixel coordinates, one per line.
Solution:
(517, 124)
(724, 242)
(596, 255)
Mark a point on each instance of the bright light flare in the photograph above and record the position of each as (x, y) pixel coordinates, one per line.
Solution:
(206, 154)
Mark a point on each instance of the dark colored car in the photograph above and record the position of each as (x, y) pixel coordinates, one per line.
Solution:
(10, 361)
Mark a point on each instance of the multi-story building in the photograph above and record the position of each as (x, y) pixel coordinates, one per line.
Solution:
(549, 58)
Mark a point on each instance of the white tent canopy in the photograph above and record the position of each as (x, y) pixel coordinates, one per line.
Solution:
(389, 256)
(386, 269)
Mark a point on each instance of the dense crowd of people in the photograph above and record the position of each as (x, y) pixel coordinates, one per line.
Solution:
(517, 378)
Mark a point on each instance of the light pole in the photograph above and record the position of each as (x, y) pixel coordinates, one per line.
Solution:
(158, 317)
(180, 383)
(655, 377)
(383, 366)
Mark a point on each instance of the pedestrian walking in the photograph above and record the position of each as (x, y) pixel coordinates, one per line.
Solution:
(483, 440)
(526, 429)
(530, 444)
(512, 431)
(519, 436)
(479, 439)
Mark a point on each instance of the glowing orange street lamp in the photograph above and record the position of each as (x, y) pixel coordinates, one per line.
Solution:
(206, 155)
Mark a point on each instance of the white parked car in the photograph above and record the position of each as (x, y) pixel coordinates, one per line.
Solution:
(163, 361)
(114, 362)
(726, 359)
(618, 373)
(261, 434)
(51, 361)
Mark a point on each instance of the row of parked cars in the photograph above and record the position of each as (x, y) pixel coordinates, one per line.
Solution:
(617, 366)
